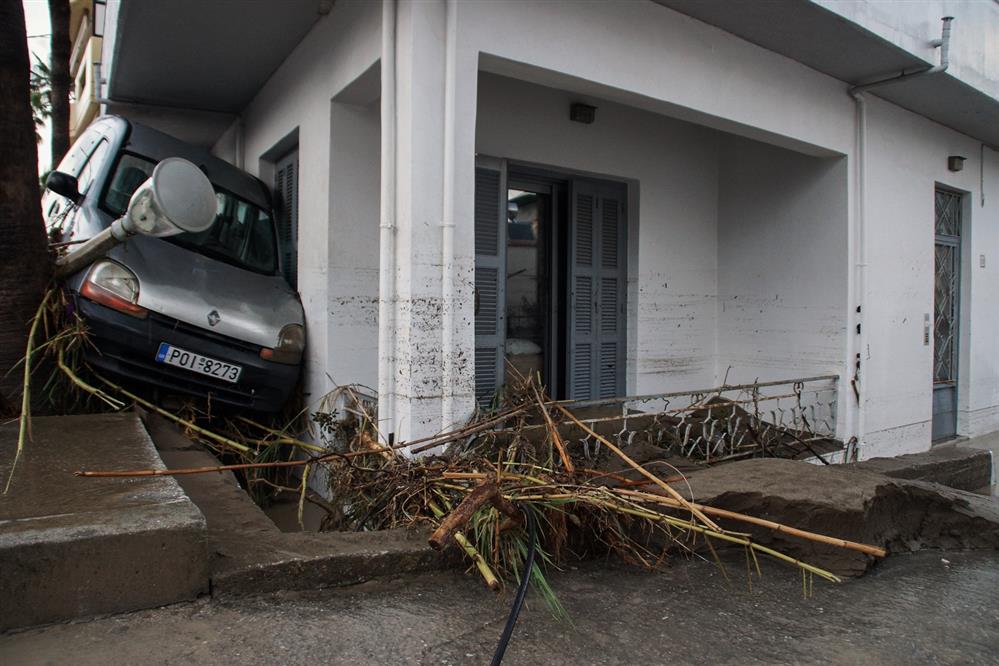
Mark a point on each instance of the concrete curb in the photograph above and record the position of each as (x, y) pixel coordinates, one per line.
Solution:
(76, 547)
(315, 561)
(248, 554)
(954, 466)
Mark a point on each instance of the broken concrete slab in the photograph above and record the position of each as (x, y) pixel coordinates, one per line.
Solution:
(843, 501)
(955, 466)
(74, 547)
(248, 554)
(300, 561)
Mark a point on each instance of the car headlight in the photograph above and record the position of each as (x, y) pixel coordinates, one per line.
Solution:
(114, 286)
(291, 344)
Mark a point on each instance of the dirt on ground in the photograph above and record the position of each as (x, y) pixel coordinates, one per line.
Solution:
(929, 607)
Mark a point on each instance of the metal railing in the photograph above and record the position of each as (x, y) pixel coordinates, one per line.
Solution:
(787, 418)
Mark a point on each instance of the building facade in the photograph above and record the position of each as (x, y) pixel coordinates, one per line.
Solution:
(86, 20)
(630, 198)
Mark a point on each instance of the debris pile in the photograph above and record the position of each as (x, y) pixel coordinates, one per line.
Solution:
(570, 469)
(476, 484)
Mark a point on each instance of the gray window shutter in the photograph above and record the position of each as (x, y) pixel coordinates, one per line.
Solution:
(286, 188)
(490, 281)
(597, 278)
(582, 299)
(612, 277)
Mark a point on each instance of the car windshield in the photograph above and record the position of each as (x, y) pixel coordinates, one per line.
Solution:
(242, 234)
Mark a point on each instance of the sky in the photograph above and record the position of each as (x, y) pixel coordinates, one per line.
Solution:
(36, 18)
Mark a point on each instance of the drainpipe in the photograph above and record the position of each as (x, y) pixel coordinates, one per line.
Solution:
(860, 273)
(860, 214)
(387, 227)
(943, 43)
(447, 220)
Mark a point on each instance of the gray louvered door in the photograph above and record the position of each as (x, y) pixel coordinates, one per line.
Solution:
(596, 291)
(286, 189)
(490, 280)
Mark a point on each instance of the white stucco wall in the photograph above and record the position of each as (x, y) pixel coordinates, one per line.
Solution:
(907, 157)
(738, 253)
(974, 47)
(338, 205)
(672, 170)
(782, 263)
(630, 59)
(647, 56)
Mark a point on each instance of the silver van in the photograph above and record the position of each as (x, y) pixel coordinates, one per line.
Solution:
(206, 314)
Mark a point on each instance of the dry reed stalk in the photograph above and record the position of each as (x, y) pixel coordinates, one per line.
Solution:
(114, 403)
(553, 432)
(762, 522)
(720, 535)
(301, 497)
(176, 419)
(641, 470)
(24, 421)
(480, 562)
(466, 431)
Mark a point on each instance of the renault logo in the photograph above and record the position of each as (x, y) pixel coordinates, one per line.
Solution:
(214, 317)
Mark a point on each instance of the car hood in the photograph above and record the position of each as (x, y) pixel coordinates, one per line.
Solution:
(185, 285)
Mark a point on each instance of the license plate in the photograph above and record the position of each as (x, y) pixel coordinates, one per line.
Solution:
(197, 363)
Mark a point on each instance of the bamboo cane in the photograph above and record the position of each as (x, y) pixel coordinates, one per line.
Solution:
(471, 551)
(114, 403)
(723, 536)
(24, 421)
(762, 522)
(641, 470)
(553, 431)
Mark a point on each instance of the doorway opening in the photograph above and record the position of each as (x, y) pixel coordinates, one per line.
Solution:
(946, 311)
(550, 282)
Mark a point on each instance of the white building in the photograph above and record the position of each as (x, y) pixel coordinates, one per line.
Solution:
(731, 213)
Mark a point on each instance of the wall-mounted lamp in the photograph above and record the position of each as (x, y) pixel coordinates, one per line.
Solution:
(955, 162)
(582, 113)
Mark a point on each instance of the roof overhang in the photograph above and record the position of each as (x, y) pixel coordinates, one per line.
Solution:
(202, 57)
(833, 45)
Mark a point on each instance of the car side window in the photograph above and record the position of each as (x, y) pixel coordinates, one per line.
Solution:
(131, 172)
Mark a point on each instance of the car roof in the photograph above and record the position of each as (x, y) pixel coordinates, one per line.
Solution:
(156, 145)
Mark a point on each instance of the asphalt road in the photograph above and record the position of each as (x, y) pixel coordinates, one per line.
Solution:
(928, 608)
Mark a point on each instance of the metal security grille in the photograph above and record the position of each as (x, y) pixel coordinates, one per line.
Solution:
(946, 311)
(945, 295)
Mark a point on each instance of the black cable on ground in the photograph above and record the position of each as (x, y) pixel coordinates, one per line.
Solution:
(518, 602)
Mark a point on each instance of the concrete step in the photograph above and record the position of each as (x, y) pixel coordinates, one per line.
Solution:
(73, 547)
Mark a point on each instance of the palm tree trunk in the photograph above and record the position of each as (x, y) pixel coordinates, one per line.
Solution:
(61, 81)
(24, 262)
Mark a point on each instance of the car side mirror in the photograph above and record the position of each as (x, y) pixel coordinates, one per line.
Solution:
(65, 185)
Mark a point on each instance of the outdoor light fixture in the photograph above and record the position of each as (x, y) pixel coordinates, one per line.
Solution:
(955, 162)
(582, 113)
(177, 198)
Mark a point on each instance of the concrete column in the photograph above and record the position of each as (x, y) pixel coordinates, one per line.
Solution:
(420, 376)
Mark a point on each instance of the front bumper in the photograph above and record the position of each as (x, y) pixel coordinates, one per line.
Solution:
(127, 346)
